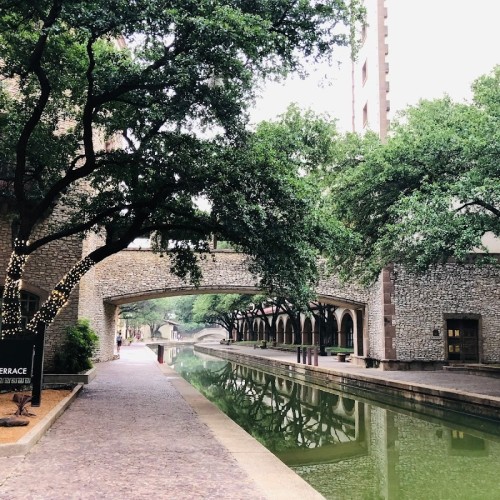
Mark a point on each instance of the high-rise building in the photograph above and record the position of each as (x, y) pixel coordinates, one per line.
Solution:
(420, 49)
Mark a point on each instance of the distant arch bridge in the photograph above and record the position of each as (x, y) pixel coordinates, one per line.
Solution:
(133, 275)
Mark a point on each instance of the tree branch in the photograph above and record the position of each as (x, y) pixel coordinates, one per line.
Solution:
(487, 206)
(34, 119)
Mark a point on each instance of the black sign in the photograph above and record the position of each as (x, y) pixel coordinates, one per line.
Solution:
(16, 361)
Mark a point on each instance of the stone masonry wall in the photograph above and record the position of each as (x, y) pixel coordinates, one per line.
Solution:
(44, 269)
(422, 301)
(376, 346)
(91, 306)
(132, 275)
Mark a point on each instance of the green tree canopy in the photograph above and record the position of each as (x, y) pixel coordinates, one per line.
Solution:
(119, 114)
(431, 193)
(221, 309)
(153, 313)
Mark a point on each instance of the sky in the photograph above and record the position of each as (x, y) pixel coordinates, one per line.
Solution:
(446, 44)
(327, 89)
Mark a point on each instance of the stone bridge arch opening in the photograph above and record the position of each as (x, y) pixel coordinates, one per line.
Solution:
(138, 275)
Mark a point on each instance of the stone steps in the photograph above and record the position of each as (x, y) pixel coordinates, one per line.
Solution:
(476, 369)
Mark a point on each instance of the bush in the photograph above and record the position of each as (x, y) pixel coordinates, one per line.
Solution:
(80, 345)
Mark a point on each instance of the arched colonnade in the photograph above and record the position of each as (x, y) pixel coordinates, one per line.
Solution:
(345, 329)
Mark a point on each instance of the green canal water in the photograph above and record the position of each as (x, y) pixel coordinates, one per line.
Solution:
(348, 448)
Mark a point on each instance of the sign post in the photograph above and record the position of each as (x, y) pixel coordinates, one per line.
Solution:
(36, 394)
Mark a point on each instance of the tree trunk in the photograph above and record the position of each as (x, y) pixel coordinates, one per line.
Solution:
(59, 295)
(11, 307)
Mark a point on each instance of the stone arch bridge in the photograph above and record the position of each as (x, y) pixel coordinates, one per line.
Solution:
(133, 275)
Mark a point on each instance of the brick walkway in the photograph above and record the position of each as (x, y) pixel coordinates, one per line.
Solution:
(137, 432)
(129, 435)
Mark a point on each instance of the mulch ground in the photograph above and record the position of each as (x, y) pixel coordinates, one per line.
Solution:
(50, 398)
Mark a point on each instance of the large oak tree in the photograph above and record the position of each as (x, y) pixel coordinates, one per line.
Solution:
(431, 193)
(119, 113)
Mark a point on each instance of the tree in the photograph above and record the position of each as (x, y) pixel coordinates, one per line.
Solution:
(221, 309)
(156, 312)
(324, 315)
(118, 114)
(182, 308)
(153, 313)
(432, 192)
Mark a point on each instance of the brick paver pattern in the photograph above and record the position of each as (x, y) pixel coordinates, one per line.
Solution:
(129, 435)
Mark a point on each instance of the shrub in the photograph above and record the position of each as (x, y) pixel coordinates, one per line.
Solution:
(79, 347)
(21, 401)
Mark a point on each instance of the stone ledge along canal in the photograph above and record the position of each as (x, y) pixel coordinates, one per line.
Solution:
(349, 447)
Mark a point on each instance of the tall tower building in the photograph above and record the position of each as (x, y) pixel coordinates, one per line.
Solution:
(420, 49)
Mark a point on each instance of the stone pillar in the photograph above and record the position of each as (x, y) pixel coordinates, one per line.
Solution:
(389, 312)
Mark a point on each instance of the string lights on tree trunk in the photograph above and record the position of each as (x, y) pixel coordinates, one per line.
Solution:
(11, 307)
(59, 295)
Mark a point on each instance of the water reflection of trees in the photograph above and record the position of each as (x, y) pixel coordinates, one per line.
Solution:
(280, 413)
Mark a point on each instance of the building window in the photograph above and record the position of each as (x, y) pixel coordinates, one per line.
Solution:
(29, 306)
(364, 74)
(365, 115)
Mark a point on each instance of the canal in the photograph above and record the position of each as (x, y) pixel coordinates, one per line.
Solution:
(346, 447)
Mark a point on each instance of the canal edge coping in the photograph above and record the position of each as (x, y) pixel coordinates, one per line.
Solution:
(266, 470)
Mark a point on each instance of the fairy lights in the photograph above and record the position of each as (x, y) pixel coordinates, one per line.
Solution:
(11, 308)
(60, 295)
(11, 314)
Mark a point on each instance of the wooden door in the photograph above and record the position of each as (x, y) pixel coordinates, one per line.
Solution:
(463, 340)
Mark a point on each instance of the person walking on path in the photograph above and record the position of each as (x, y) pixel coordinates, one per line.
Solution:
(119, 341)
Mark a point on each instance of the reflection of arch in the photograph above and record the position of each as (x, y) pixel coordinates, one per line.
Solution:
(304, 391)
(335, 398)
(280, 332)
(307, 332)
(279, 383)
(288, 332)
(349, 405)
(347, 330)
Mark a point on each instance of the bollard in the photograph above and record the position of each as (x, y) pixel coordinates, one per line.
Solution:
(161, 351)
(304, 355)
(315, 356)
(298, 354)
(309, 360)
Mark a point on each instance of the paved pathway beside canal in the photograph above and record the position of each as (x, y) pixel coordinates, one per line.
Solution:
(137, 432)
(140, 431)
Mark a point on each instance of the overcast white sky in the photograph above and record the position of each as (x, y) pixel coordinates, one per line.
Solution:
(446, 44)
(327, 89)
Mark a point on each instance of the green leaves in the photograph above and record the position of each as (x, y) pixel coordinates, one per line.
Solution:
(75, 355)
(120, 114)
(431, 193)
